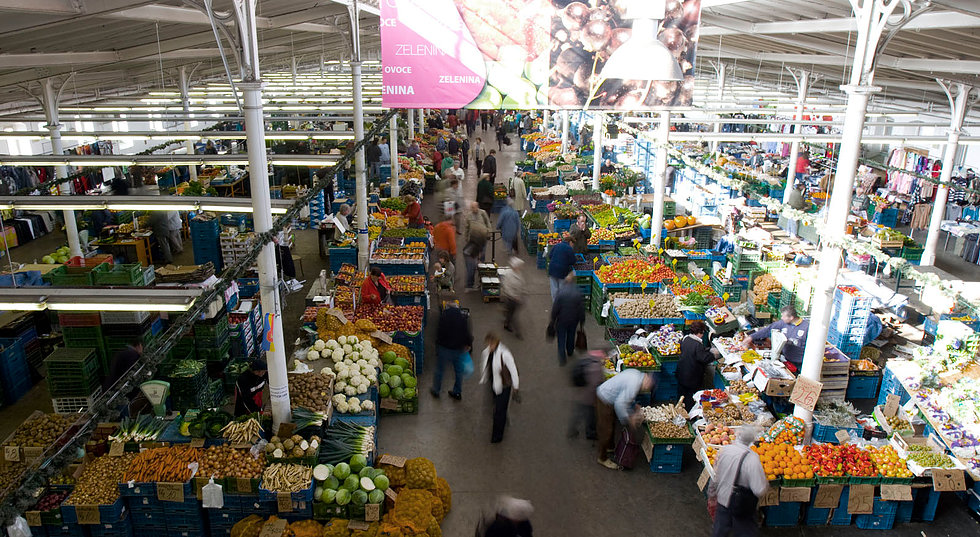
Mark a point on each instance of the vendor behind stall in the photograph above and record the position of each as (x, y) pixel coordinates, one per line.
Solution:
(794, 328)
(375, 289)
(695, 358)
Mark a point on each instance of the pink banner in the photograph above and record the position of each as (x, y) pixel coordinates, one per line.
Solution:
(430, 59)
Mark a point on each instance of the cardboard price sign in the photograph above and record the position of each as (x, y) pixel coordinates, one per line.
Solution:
(391, 494)
(88, 514)
(170, 492)
(116, 449)
(828, 496)
(31, 453)
(860, 500)
(647, 446)
(338, 314)
(357, 524)
(842, 436)
(383, 336)
(794, 494)
(891, 405)
(896, 493)
(703, 479)
(372, 512)
(285, 501)
(286, 430)
(805, 393)
(197, 442)
(274, 528)
(11, 453)
(947, 479)
(394, 460)
(388, 403)
(244, 484)
(770, 498)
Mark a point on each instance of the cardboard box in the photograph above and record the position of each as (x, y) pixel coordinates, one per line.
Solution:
(776, 387)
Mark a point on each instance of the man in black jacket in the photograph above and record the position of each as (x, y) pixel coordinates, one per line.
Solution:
(695, 357)
(248, 389)
(490, 165)
(372, 156)
(454, 339)
(567, 313)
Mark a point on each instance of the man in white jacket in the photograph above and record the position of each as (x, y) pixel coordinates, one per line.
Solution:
(500, 369)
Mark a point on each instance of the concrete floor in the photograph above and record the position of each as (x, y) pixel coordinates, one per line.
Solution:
(572, 494)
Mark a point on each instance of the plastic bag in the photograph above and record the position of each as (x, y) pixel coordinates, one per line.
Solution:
(19, 528)
(466, 360)
(212, 496)
(791, 424)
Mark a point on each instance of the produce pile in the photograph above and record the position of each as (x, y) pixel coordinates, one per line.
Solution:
(763, 285)
(225, 461)
(292, 448)
(51, 500)
(403, 233)
(783, 460)
(667, 341)
(730, 414)
(204, 424)
(925, 457)
(244, 430)
(99, 482)
(601, 234)
(636, 358)
(41, 430)
(831, 460)
(648, 307)
(345, 440)
(837, 414)
(398, 382)
(634, 271)
(400, 253)
(395, 204)
(311, 390)
(352, 482)
(718, 435)
(287, 477)
(665, 421)
(888, 462)
(390, 318)
(407, 285)
(167, 464)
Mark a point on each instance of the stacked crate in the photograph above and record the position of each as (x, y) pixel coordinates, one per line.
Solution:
(212, 339)
(123, 328)
(204, 236)
(235, 245)
(849, 320)
(23, 328)
(15, 376)
(74, 379)
(318, 208)
(84, 331)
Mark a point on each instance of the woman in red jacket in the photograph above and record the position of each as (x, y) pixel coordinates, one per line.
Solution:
(375, 289)
(413, 212)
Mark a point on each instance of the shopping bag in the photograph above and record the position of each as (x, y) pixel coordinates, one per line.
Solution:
(466, 364)
(549, 332)
(627, 449)
(581, 341)
(212, 497)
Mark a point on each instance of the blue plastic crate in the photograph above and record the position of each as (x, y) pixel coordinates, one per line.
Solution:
(665, 467)
(815, 516)
(784, 515)
(669, 458)
(926, 503)
(862, 387)
(65, 530)
(875, 522)
(840, 516)
(120, 528)
(827, 434)
(904, 512)
(113, 511)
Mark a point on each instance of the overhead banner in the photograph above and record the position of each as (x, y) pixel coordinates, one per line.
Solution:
(520, 54)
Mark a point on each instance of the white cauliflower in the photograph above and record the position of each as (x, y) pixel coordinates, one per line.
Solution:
(367, 406)
(343, 407)
(337, 355)
(339, 386)
(354, 406)
(312, 355)
(319, 345)
(342, 340)
(350, 391)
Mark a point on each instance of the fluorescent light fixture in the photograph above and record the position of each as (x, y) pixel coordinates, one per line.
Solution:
(102, 163)
(22, 306)
(321, 162)
(121, 306)
(104, 299)
(144, 207)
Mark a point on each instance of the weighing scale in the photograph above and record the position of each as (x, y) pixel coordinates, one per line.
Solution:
(156, 392)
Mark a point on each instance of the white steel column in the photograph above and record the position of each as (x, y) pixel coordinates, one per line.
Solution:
(546, 116)
(258, 174)
(597, 123)
(871, 17)
(54, 127)
(564, 131)
(186, 102)
(722, 73)
(411, 126)
(421, 120)
(393, 150)
(292, 65)
(359, 172)
(958, 107)
(660, 180)
(802, 86)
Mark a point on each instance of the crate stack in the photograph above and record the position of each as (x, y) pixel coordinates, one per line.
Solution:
(834, 375)
(212, 339)
(235, 245)
(849, 320)
(122, 328)
(84, 331)
(15, 376)
(318, 208)
(204, 236)
(244, 332)
(23, 328)
(127, 275)
(74, 379)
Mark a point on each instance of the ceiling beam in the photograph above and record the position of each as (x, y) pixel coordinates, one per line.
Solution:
(299, 21)
(906, 64)
(715, 25)
(15, 61)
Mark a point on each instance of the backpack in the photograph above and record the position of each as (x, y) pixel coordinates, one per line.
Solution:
(578, 373)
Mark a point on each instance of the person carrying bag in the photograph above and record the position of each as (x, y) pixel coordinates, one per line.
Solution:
(739, 482)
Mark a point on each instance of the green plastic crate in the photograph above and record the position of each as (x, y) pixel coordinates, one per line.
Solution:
(129, 274)
(65, 276)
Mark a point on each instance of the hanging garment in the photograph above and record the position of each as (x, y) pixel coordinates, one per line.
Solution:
(920, 216)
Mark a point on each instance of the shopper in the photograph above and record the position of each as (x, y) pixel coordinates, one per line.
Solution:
(176, 226)
(444, 237)
(615, 402)
(248, 389)
(490, 165)
(580, 234)
(803, 167)
(479, 155)
(444, 272)
(210, 149)
(413, 211)
(161, 233)
(501, 136)
(453, 145)
(464, 152)
(511, 520)
(453, 339)
(738, 484)
(501, 371)
(794, 328)
(484, 193)
(796, 202)
(372, 156)
(561, 260)
(437, 158)
(471, 119)
(518, 191)
(476, 231)
(375, 289)
(509, 224)
(586, 377)
(413, 150)
(385, 151)
(484, 120)
(456, 172)
(512, 292)
(695, 358)
(567, 314)
(441, 144)
(452, 121)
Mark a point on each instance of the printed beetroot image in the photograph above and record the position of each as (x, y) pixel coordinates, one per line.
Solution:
(597, 45)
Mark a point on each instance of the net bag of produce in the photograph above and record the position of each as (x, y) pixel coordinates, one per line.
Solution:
(420, 473)
(307, 528)
(249, 526)
(787, 430)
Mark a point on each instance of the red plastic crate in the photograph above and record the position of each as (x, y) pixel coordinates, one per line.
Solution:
(80, 319)
(89, 262)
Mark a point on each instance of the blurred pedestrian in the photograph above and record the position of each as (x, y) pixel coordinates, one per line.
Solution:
(490, 165)
(453, 339)
(510, 520)
(586, 377)
(580, 234)
(512, 292)
(501, 136)
(453, 144)
(479, 154)
(561, 260)
(464, 152)
(567, 314)
(615, 402)
(518, 191)
(500, 371)
(476, 232)
(509, 224)
(739, 482)
(484, 193)
(444, 272)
